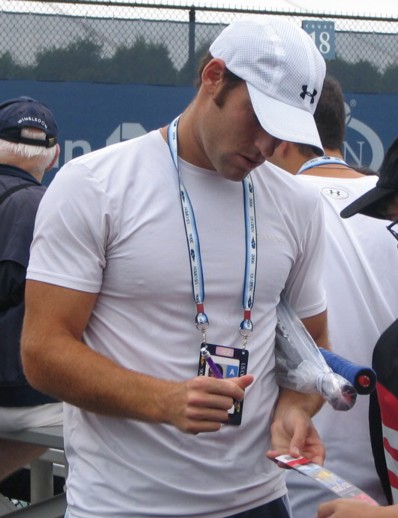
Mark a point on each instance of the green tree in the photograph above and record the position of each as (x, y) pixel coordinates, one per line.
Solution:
(356, 77)
(10, 70)
(188, 74)
(146, 63)
(390, 80)
(79, 61)
(149, 63)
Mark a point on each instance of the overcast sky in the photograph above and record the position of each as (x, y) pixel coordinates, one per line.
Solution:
(383, 8)
(378, 8)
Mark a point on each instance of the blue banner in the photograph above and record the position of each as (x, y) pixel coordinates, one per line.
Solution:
(371, 128)
(91, 116)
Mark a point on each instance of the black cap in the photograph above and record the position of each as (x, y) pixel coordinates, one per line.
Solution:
(387, 185)
(25, 112)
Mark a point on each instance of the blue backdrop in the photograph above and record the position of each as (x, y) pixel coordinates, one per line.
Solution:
(92, 115)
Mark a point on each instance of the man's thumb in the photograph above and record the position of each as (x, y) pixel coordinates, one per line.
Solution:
(244, 381)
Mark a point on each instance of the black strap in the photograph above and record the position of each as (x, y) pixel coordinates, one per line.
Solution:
(18, 295)
(16, 188)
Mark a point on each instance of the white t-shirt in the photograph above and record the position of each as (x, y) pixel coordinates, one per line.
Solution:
(111, 223)
(361, 279)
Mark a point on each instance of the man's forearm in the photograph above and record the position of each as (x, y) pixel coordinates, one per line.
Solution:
(310, 403)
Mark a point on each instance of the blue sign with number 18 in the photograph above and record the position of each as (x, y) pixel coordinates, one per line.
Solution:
(323, 36)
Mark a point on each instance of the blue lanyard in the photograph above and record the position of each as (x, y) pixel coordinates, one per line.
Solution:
(198, 291)
(322, 160)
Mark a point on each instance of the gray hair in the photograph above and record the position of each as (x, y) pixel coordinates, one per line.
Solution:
(43, 154)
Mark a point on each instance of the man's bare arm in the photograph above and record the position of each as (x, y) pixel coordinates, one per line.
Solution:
(292, 430)
(57, 362)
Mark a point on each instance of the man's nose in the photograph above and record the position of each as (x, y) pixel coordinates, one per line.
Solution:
(266, 144)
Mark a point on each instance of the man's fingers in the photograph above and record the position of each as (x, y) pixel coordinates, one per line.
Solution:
(208, 400)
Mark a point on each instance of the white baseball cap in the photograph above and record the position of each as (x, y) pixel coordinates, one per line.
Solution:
(283, 70)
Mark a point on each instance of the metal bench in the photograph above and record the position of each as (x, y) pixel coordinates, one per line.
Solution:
(43, 502)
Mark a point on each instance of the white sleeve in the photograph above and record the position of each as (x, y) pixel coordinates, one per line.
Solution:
(71, 231)
(305, 287)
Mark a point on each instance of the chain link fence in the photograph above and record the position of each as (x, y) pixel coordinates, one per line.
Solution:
(138, 42)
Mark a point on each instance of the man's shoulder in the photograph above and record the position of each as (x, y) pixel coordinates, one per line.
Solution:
(110, 170)
(285, 185)
(340, 191)
(15, 191)
(360, 184)
(144, 145)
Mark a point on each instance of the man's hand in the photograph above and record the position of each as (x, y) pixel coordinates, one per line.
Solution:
(201, 404)
(293, 433)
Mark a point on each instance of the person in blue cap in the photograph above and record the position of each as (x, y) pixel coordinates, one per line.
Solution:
(28, 148)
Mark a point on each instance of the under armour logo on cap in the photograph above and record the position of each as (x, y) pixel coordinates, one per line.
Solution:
(306, 92)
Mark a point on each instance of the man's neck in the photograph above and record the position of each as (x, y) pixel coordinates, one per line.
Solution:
(333, 152)
(28, 165)
(189, 144)
(333, 170)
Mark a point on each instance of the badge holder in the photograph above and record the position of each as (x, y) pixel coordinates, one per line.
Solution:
(219, 361)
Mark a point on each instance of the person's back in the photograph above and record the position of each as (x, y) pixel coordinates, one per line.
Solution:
(360, 279)
(27, 149)
(381, 203)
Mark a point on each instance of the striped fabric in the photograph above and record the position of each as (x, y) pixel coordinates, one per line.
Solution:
(383, 411)
(389, 415)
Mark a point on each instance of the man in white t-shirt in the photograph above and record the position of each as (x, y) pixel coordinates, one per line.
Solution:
(361, 275)
(161, 258)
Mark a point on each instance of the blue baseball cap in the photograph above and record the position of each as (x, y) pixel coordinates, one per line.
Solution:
(25, 112)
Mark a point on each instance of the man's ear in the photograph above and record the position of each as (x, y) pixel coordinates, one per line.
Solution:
(53, 161)
(213, 74)
(283, 148)
(280, 154)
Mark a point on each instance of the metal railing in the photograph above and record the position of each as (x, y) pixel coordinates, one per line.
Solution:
(141, 42)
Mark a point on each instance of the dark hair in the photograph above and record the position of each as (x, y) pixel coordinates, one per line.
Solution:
(330, 114)
(307, 150)
(230, 80)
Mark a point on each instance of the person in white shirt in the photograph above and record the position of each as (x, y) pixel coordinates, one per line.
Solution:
(360, 276)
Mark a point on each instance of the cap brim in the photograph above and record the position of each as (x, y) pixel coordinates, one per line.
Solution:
(367, 204)
(284, 121)
(14, 135)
